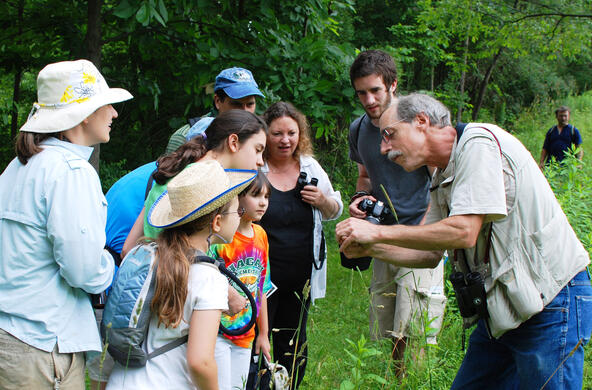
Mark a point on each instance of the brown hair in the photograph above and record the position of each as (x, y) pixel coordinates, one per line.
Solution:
(374, 62)
(28, 144)
(240, 122)
(258, 185)
(561, 109)
(172, 275)
(281, 109)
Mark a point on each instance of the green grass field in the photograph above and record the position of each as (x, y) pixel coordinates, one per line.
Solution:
(340, 355)
(343, 315)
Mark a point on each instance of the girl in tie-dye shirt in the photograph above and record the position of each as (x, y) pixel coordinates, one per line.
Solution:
(247, 257)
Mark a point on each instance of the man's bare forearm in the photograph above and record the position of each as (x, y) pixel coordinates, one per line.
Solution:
(404, 257)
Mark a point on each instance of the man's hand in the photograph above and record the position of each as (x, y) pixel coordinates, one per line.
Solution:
(354, 230)
(355, 250)
(236, 302)
(354, 211)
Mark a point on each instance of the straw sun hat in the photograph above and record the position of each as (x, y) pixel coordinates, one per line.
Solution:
(67, 93)
(197, 190)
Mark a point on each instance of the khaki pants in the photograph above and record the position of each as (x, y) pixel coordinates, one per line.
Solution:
(25, 367)
(398, 311)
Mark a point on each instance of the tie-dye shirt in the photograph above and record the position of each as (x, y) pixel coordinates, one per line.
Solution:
(247, 258)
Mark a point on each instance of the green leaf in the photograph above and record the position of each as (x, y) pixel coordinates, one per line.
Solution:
(376, 378)
(124, 10)
(163, 11)
(143, 14)
(157, 16)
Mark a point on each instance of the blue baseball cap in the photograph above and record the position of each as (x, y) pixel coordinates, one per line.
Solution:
(237, 83)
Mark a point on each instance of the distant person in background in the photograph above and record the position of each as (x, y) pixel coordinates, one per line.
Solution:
(561, 138)
(52, 231)
(234, 89)
(297, 250)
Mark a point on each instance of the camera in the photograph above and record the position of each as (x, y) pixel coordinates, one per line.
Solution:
(376, 212)
(470, 294)
(303, 181)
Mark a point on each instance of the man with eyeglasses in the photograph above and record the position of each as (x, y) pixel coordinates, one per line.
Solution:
(399, 296)
(520, 270)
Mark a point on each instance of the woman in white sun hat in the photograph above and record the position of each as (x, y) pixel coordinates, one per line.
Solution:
(52, 231)
(199, 207)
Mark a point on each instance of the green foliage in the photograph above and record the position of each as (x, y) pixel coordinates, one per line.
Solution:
(359, 353)
(111, 172)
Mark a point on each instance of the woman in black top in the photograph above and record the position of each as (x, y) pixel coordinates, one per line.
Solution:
(293, 225)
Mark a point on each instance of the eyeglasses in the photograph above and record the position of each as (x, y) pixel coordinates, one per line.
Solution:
(240, 211)
(384, 133)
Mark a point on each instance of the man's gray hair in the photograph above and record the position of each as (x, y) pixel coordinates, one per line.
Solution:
(409, 106)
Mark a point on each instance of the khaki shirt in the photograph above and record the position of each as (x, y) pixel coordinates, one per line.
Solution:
(534, 250)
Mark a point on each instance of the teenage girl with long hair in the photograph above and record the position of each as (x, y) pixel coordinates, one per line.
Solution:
(199, 208)
(236, 139)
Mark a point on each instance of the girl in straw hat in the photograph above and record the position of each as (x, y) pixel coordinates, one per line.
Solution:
(247, 257)
(52, 231)
(199, 208)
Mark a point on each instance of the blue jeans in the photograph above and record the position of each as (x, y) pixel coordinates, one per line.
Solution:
(526, 357)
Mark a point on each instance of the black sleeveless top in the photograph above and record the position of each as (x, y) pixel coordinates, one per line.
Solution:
(288, 223)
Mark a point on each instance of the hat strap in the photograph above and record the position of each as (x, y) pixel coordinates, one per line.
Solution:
(34, 110)
(37, 106)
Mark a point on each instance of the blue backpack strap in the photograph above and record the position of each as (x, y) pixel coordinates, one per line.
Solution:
(167, 347)
(149, 184)
(460, 128)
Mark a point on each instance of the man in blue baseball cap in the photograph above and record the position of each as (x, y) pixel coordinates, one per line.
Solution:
(234, 89)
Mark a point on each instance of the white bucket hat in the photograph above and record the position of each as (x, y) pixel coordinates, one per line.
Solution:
(67, 93)
(197, 190)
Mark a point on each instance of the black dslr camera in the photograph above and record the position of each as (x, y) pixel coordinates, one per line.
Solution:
(470, 294)
(303, 181)
(376, 213)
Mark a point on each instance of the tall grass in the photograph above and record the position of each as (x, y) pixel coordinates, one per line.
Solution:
(338, 330)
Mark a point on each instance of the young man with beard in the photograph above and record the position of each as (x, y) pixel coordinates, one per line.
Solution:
(399, 296)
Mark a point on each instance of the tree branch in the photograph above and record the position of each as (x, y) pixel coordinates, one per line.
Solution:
(539, 15)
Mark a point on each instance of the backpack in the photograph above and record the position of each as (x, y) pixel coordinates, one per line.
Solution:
(127, 314)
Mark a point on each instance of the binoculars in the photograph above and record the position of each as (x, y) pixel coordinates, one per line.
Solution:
(470, 294)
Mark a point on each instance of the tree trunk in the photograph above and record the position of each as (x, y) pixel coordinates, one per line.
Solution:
(484, 83)
(93, 47)
(463, 76)
(15, 99)
(16, 91)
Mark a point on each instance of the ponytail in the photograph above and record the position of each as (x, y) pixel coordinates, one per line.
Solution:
(28, 144)
(240, 122)
(170, 165)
